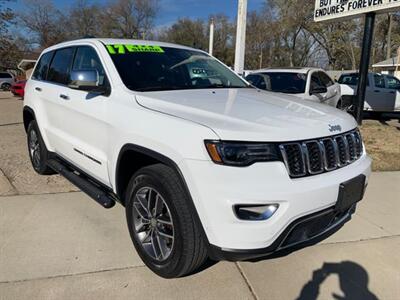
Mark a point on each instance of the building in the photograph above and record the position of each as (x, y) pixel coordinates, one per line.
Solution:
(388, 67)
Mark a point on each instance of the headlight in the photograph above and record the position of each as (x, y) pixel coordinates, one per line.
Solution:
(241, 154)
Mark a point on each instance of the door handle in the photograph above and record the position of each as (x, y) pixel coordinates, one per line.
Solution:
(38, 89)
(377, 91)
(64, 97)
(392, 92)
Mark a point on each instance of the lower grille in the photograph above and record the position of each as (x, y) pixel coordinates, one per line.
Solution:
(313, 157)
(313, 227)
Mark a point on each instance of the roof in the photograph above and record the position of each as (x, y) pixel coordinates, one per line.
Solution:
(118, 41)
(392, 62)
(285, 70)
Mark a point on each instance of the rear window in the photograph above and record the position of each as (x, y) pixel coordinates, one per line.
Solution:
(350, 79)
(42, 67)
(5, 75)
(393, 83)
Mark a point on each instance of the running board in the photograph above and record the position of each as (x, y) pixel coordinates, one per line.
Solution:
(93, 191)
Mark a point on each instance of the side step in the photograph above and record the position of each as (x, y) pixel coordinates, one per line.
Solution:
(89, 188)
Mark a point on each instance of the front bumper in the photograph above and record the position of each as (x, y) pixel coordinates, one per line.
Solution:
(216, 189)
(301, 232)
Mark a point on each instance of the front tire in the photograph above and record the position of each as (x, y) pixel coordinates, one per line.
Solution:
(37, 150)
(161, 223)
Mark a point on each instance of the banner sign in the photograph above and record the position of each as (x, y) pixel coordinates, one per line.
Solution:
(338, 9)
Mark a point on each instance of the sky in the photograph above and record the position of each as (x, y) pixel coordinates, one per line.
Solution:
(171, 10)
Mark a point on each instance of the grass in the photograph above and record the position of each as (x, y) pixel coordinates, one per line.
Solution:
(382, 140)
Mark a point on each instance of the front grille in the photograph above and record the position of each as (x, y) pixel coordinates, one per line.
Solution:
(305, 158)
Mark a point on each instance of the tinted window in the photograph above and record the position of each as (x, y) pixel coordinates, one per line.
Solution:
(42, 67)
(60, 66)
(153, 68)
(5, 75)
(86, 58)
(393, 83)
(281, 82)
(350, 79)
(315, 81)
(379, 81)
(325, 79)
(253, 79)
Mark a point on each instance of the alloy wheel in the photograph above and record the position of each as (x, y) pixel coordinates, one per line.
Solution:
(34, 148)
(153, 223)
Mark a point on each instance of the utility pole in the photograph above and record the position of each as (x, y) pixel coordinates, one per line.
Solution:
(241, 36)
(211, 44)
(389, 37)
(364, 66)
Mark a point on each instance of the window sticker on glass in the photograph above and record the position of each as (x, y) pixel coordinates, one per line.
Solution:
(122, 49)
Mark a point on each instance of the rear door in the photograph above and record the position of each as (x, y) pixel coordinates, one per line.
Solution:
(393, 85)
(379, 97)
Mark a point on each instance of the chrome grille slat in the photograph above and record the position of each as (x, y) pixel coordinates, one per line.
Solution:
(305, 158)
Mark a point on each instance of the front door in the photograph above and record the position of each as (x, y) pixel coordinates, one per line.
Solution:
(85, 120)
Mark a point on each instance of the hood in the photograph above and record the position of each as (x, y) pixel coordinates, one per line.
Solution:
(250, 114)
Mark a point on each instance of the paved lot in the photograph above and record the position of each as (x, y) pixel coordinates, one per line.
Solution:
(55, 243)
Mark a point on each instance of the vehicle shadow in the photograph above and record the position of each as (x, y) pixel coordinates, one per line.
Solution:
(353, 279)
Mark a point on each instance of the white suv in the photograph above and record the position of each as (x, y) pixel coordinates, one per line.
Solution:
(306, 83)
(206, 165)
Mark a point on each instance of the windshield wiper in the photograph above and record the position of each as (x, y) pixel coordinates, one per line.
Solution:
(158, 88)
(222, 86)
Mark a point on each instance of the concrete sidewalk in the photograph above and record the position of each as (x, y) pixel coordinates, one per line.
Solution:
(56, 243)
(64, 246)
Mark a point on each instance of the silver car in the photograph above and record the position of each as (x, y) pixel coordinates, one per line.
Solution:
(6, 80)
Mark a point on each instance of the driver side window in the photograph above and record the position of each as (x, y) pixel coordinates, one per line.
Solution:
(379, 81)
(315, 82)
(393, 83)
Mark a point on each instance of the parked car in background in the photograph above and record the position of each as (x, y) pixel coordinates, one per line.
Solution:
(305, 83)
(383, 91)
(18, 88)
(6, 80)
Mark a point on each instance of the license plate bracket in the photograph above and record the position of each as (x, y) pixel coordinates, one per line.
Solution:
(350, 192)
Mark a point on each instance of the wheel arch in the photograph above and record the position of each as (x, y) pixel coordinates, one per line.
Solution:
(125, 169)
(131, 158)
(28, 116)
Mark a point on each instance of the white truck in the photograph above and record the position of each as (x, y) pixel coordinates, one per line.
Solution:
(306, 83)
(382, 95)
(204, 164)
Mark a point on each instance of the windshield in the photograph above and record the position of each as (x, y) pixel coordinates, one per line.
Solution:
(154, 68)
(281, 82)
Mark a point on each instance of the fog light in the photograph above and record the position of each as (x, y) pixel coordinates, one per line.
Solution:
(255, 212)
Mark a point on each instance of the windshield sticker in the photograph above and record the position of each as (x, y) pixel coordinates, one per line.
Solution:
(122, 49)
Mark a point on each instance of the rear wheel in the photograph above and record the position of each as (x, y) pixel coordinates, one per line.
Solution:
(37, 150)
(6, 86)
(161, 224)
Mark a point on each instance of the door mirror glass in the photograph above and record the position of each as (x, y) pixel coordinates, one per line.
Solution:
(85, 80)
(319, 90)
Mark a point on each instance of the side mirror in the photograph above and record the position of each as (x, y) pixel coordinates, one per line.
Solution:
(86, 80)
(319, 90)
